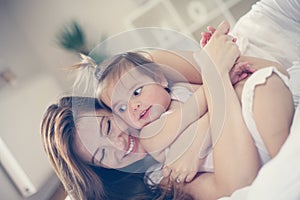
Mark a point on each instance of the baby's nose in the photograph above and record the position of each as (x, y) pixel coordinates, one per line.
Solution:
(135, 105)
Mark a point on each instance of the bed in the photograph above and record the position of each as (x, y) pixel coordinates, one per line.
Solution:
(271, 30)
(279, 178)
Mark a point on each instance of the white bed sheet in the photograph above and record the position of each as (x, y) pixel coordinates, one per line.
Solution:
(271, 30)
(279, 179)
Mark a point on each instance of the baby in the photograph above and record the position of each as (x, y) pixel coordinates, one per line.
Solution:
(164, 114)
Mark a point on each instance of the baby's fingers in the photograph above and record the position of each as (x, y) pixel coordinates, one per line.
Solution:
(206, 34)
(205, 38)
(211, 29)
(250, 69)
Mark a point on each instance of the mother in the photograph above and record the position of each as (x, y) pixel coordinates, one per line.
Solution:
(241, 164)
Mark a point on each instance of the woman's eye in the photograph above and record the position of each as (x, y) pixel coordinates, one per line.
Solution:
(108, 127)
(137, 91)
(122, 108)
(102, 156)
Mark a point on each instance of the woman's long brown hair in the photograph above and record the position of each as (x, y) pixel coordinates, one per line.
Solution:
(80, 180)
(57, 131)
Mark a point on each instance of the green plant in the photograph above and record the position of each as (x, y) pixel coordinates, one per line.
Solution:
(71, 37)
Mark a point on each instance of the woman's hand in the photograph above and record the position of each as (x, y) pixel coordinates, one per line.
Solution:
(221, 47)
(207, 35)
(240, 70)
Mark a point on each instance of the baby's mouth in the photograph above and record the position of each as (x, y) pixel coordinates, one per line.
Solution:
(145, 113)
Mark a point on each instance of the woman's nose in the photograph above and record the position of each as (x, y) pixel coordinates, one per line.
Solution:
(119, 140)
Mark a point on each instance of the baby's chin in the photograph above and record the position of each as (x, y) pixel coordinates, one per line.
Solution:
(141, 123)
(145, 123)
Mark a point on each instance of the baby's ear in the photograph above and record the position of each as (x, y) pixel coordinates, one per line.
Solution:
(161, 79)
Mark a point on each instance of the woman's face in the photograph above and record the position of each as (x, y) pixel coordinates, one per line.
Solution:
(101, 141)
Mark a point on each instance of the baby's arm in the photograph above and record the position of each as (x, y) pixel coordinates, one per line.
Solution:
(187, 153)
(160, 133)
(178, 66)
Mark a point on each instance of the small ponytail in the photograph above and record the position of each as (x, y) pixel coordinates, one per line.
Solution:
(85, 82)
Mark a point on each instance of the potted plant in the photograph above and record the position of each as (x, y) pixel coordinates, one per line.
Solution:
(71, 37)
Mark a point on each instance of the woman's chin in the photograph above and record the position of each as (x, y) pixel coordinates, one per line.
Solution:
(132, 158)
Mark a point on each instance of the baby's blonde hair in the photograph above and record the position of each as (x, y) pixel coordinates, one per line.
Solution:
(111, 70)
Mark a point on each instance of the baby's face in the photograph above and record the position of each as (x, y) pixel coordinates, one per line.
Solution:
(137, 98)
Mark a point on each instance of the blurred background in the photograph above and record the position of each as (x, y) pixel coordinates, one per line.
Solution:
(40, 38)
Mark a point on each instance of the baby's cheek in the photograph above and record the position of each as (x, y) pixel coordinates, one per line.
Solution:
(157, 111)
(132, 121)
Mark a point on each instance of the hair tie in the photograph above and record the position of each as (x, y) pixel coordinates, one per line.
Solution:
(87, 61)
(107, 64)
(85, 80)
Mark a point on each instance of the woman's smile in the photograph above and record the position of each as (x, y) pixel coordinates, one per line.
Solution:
(131, 147)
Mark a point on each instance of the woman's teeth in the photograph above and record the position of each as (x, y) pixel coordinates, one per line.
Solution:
(131, 145)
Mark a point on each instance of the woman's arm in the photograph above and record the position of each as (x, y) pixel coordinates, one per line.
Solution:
(273, 112)
(235, 156)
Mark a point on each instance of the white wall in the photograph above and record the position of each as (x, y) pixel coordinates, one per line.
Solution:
(27, 46)
(28, 30)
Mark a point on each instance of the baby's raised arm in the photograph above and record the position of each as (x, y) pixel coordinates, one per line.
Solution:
(160, 133)
(188, 152)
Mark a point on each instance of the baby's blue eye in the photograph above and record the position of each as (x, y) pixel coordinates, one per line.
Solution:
(137, 91)
(122, 108)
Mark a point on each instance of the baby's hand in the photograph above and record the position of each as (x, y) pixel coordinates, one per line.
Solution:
(206, 36)
(240, 71)
(184, 169)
